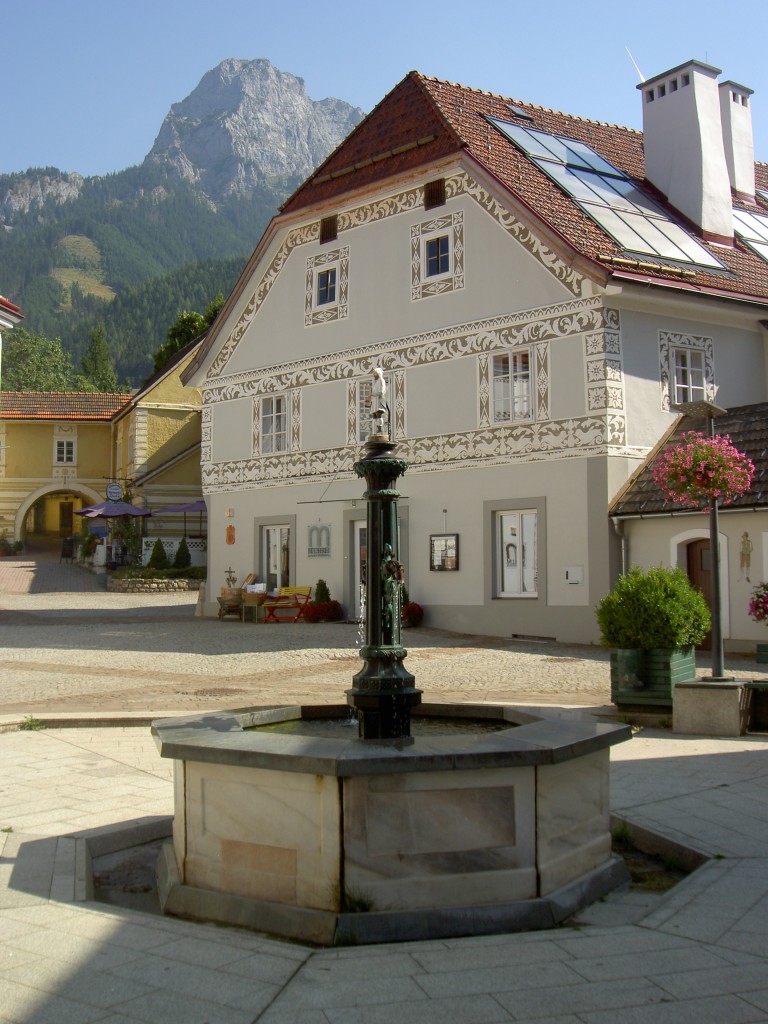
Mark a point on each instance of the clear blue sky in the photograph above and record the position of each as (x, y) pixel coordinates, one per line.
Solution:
(86, 84)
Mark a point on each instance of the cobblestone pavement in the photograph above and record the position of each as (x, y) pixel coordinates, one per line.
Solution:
(698, 953)
(67, 646)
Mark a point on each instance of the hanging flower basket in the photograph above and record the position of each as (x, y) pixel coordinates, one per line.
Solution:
(699, 469)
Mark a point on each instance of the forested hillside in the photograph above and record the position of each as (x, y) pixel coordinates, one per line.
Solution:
(135, 248)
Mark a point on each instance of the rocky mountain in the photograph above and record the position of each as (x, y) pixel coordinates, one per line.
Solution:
(247, 123)
(223, 161)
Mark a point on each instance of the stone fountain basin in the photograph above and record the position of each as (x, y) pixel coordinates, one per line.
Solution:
(339, 840)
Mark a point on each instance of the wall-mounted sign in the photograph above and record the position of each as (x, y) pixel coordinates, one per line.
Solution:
(114, 492)
(319, 541)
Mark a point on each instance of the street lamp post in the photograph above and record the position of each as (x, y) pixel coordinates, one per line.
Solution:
(710, 412)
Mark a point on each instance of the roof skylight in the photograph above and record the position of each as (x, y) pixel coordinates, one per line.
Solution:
(752, 229)
(606, 194)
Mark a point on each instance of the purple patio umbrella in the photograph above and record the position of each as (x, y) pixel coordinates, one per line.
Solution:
(112, 510)
(184, 507)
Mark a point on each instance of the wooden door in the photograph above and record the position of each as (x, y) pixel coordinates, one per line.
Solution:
(699, 570)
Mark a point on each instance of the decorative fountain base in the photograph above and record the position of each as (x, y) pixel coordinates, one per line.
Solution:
(341, 840)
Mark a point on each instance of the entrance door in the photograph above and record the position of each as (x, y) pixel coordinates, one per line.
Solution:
(699, 568)
(65, 518)
(277, 556)
(360, 546)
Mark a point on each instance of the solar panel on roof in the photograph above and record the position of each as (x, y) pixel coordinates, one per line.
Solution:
(752, 229)
(608, 196)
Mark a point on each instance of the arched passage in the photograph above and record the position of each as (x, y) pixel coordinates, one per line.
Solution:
(70, 490)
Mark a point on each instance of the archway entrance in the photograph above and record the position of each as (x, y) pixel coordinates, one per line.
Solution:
(47, 516)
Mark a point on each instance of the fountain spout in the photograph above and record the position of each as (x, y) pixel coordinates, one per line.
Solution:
(383, 692)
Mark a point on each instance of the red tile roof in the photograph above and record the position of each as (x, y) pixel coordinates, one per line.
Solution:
(60, 405)
(747, 427)
(10, 307)
(424, 119)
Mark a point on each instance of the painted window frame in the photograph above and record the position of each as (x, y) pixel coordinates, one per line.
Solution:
(423, 284)
(672, 342)
(336, 262)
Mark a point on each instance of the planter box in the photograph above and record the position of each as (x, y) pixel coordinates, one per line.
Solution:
(649, 677)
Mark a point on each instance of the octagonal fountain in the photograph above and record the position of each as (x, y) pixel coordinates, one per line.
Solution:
(387, 819)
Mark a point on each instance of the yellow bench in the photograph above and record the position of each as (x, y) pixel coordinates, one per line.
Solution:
(290, 599)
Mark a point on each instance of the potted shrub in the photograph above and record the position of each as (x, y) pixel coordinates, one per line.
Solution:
(653, 620)
(322, 608)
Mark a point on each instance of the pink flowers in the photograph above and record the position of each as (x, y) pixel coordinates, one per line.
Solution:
(701, 468)
(758, 606)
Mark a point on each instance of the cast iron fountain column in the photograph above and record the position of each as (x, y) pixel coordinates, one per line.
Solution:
(383, 692)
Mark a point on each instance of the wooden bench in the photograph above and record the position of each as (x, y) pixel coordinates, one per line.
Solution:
(290, 599)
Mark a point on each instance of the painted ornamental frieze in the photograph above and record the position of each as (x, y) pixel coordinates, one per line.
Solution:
(406, 201)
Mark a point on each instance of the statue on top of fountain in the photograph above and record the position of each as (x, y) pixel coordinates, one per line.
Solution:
(378, 404)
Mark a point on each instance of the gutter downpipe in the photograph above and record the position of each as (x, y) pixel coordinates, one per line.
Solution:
(618, 527)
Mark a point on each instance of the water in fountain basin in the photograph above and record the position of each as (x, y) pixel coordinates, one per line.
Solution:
(343, 728)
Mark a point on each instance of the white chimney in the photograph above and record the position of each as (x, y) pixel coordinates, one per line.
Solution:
(738, 140)
(684, 154)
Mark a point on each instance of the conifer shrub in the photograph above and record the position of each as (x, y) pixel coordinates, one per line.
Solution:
(158, 559)
(182, 559)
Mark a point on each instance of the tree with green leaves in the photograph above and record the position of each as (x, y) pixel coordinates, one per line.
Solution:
(185, 328)
(97, 368)
(33, 362)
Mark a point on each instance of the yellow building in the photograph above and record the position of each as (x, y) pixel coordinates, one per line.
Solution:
(55, 458)
(60, 450)
(156, 441)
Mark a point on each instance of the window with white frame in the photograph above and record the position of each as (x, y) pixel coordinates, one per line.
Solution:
(326, 287)
(686, 368)
(516, 553)
(689, 381)
(437, 256)
(512, 386)
(65, 452)
(274, 424)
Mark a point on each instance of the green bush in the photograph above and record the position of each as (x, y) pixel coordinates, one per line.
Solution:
(322, 593)
(158, 559)
(657, 609)
(183, 557)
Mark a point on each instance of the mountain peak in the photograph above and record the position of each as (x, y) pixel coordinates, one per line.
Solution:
(247, 123)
